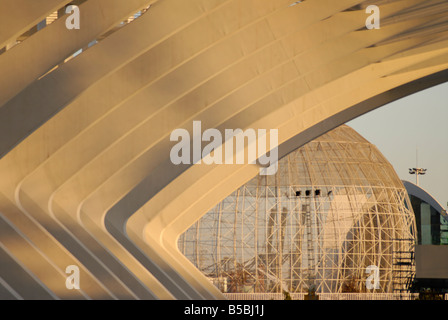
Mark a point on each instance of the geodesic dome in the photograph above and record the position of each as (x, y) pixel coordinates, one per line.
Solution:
(335, 207)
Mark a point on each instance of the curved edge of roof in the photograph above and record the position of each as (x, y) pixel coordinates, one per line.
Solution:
(422, 194)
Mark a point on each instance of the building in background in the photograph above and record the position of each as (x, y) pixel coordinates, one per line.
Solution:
(334, 208)
(431, 219)
(431, 256)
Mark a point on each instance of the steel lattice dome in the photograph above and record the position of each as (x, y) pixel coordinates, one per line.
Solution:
(335, 207)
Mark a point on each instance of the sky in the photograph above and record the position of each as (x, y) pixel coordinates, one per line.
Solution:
(415, 124)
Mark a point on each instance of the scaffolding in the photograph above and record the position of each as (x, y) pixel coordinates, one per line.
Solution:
(404, 266)
(335, 207)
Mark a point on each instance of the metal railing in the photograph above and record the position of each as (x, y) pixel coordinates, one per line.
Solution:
(325, 296)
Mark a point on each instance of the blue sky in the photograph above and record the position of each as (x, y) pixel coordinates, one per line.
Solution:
(419, 121)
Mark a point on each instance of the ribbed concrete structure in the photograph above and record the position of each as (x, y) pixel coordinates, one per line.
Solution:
(85, 173)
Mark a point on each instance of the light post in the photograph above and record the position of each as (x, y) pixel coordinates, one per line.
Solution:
(417, 172)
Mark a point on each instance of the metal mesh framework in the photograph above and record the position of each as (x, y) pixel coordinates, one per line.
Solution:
(335, 207)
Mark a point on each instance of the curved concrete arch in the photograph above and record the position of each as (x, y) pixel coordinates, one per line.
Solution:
(165, 212)
(176, 192)
(43, 206)
(36, 177)
(169, 231)
(40, 192)
(416, 191)
(89, 166)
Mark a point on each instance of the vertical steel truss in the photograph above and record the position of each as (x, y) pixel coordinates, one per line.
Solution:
(335, 207)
